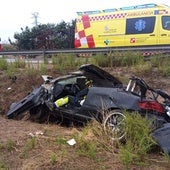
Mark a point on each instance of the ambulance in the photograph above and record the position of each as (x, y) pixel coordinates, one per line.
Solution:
(133, 26)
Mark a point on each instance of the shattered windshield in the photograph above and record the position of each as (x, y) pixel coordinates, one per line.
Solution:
(72, 80)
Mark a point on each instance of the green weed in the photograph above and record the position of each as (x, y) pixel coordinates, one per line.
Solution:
(138, 141)
(31, 71)
(43, 69)
(131, 59)
(102, 60)
(60, 140)
(11, 70)
(156, 61)
(30, 144)
(53, 158)
(116, 59)
(3, 64)
(142, 68)
(10, 145)
(162, 63)
(19, 63)
(86, 146)
(3, 166)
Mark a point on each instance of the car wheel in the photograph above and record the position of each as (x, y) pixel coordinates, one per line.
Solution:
(39, 114)
(113, 124)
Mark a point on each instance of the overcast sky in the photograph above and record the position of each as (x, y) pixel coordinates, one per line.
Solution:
(15, 14)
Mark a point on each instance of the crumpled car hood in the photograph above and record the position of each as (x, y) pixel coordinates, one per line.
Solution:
(101, 77)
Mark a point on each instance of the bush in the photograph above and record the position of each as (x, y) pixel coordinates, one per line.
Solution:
(3, 64)
(138, 140)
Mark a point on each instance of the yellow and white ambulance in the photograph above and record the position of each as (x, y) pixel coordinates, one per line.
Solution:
(141, 25)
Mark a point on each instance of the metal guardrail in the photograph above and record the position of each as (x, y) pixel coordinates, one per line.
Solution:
(78, 51)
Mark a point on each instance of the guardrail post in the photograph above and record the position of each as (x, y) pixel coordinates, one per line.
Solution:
(44, 55)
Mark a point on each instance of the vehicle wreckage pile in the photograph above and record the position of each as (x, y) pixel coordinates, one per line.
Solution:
(73, 98)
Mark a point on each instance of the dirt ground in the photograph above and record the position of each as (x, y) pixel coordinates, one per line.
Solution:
(19, 150)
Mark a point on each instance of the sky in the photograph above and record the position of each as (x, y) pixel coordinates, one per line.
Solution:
(17, 14)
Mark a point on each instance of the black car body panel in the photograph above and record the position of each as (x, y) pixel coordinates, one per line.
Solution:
(109, 98)
(35, 98)
(162, 137)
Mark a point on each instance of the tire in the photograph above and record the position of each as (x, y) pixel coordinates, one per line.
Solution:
(39, 114)
(113, 124)
(22, 116)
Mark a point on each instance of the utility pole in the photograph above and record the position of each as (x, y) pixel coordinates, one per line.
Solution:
(35, 17)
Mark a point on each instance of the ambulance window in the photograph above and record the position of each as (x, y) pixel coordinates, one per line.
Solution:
(166, 22)
(143, 25)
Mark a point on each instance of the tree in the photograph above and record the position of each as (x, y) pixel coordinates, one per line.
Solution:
(46, 36)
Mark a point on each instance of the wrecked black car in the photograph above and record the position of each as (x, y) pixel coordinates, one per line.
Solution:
(105, 100)
(46, 99)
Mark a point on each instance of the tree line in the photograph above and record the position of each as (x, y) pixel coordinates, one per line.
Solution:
(46, 36)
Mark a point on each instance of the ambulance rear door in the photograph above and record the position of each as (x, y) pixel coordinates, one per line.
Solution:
(164, 34)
